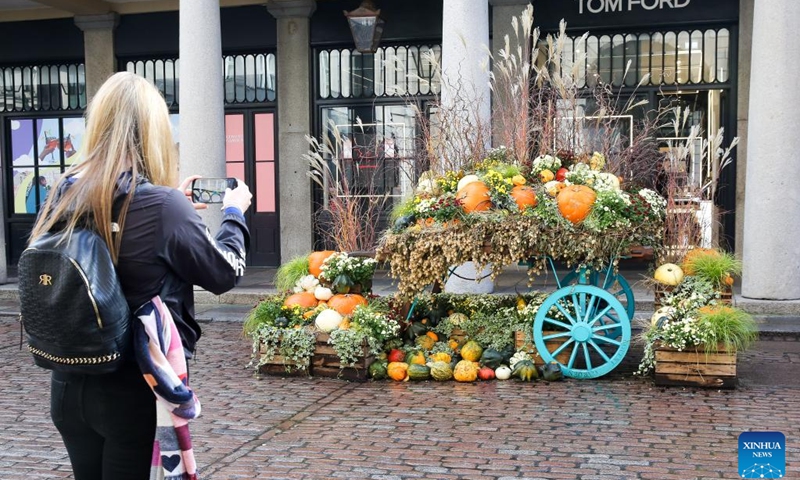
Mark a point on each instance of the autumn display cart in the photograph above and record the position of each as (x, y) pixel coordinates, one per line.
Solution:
(501, 218)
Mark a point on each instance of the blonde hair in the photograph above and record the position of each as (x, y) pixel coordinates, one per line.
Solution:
(127, 129)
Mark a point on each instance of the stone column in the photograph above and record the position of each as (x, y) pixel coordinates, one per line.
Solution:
(772, 198)
(743, 107)
(465, 59)
(294, 123)
(502, 13)
(202, 120)
(98, 44)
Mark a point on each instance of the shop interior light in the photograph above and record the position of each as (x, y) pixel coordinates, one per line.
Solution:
(366, 26)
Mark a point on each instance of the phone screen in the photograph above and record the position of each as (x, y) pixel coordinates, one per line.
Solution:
(211, 190)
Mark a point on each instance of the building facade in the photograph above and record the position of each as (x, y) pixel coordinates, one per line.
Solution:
(289, 68)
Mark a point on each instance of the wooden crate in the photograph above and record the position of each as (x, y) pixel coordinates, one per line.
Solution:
(563, 357)
(695, 368)
(325, 362)
(281, 366)
(726, 297)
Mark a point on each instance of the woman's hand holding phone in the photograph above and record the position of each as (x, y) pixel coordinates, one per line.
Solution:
(185, 187)
(239, 197)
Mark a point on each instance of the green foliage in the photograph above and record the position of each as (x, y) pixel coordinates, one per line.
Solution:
(290, 272)
(402, 209)
(271, 308)
(716, 268)
(731, 327)
(294, 345)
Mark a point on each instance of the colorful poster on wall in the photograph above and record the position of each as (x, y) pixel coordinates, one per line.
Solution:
(50, 144)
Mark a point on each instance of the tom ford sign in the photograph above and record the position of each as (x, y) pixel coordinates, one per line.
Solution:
(588, 14)
(605, 6)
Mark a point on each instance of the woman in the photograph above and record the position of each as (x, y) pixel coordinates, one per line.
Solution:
(162, 248)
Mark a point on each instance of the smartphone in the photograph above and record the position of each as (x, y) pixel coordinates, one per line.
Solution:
(211, 190)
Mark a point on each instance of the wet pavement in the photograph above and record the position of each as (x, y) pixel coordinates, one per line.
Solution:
(616, 427)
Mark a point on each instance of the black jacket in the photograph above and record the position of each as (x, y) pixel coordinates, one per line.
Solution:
(164, 240)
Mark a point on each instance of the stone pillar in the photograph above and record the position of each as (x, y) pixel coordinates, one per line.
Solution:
(465, 60)
(743, 107)
(98, 44)
(294, 123)
(502, 13)
(202, 120)
(772, 199)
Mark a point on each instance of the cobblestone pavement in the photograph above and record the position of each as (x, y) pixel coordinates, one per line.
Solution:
(269, 428)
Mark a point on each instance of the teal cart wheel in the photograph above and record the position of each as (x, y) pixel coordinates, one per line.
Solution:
(615, 284)
(577, 319)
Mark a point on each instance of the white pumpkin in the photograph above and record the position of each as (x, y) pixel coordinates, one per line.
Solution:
(323, 294)
(669, 274)
(661, 316)
(610, 179)
(553, 187)
(328, 320)
(502, 372)
(466, 180)
(428, 186)
(308, 283)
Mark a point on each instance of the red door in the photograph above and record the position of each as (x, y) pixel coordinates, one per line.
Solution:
(250, 154)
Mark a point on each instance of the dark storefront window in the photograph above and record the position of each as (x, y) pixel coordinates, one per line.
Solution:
(248, 78)
(43, 88)
(659, 58)
(389, 72)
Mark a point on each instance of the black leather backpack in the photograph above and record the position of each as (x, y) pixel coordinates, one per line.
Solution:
(73, 308)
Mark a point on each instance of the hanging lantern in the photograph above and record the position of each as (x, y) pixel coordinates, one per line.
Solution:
(366, 26)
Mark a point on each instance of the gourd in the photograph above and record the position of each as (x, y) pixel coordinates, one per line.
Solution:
(328, 320)
(315, 261)
(575, 202)
(416, 358)
(471, 351)
(396, 355)
(518, 180)
(553, 187)
(457, 319)
(546, 176)
(323, 294)
(525, 196)
(424, 342)
(669, 274)
(525, 370)
(661, 316)
(466, 180)
(346, 303)
(441, 371)
(397, 371)
(486, 373)
(441, 357)
(302, 299)
(502, 372)
(378, 370)
(491, 358)
(418, 372)
(466, 371)
(474, 197)
(552, 372)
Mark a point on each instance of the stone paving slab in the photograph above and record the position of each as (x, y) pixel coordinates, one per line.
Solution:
(617, 427)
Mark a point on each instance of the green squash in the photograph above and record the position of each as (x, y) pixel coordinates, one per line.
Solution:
(377, 370)
(441, 371)
(282, 322)
(525, 370)
(491, 358)
(418, 372)
(552, 372)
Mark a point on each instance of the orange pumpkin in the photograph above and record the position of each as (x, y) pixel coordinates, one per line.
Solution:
(302, 299)
(524, 196)
(575, 202)
(315, 261)
(474, 197)
(347, 303)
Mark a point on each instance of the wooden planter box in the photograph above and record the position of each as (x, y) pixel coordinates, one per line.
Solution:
(658, 295)
(695, 368)
(563, 357)
(726, 297)
(281, 366)
(325, 362)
